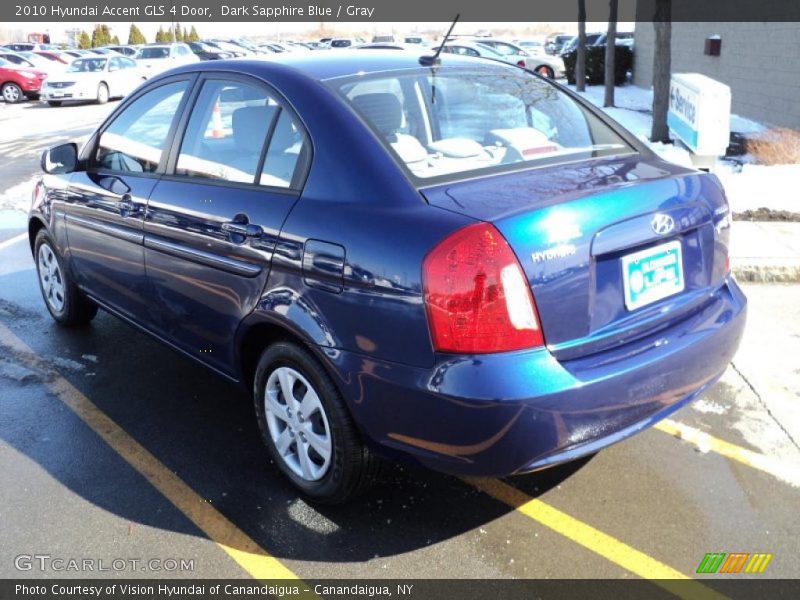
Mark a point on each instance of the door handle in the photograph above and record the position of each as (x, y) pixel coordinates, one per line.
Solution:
(126, 204)
(246, 230)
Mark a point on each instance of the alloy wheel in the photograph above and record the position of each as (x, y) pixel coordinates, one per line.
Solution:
(11, 94)
(298, 424)
(51, 278)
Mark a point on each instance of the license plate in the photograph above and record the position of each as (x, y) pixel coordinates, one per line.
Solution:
(57, 94)
(652, 274)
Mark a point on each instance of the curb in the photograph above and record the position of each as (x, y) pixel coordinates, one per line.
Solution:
(766, 273)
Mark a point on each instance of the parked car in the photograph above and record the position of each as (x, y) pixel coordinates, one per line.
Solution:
(543, 64)
(104, 52)
(155, 58)
(413, 39)
(531, 46)
(129, 51)
(17, 84)
(555, 43)
(95, 79)
(233, 49)
(76, 53)
(591, 40)
(205, 51)
(387, 46)
(27, 46)
(55, 56)
(376, 39)
(465, 47)
(339, 43)
(493, 278)
(30, 60)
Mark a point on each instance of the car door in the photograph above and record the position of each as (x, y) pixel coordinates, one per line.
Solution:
(106, 202)
(212, 221)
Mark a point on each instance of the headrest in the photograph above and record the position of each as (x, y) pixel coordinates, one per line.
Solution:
(382, 110)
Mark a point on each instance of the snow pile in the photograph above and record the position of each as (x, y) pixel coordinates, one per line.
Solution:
(747, 187)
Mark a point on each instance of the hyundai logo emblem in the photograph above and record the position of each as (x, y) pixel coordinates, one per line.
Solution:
(662, 224)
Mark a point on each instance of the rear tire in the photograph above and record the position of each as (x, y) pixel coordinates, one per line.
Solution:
(296, 401)
(12, 93)
(66, 303)
(102, 93)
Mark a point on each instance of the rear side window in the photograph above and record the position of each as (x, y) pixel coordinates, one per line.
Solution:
(135, 140)
(238, 130)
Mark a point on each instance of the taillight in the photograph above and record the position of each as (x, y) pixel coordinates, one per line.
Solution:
(476, 295)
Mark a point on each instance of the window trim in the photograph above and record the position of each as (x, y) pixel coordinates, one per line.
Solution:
(88, 155)
(302, 167)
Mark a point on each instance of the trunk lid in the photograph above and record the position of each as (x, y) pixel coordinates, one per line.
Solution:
(571, 226)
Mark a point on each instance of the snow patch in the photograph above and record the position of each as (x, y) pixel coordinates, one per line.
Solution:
(66, 363)
(18, 197)
(705, 406)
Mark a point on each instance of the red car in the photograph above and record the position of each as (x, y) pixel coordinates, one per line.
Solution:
(17, 84)
(55, 56)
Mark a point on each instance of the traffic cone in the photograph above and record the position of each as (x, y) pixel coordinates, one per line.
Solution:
(217, 129)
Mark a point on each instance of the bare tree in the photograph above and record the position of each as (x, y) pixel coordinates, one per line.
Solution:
(661, 69)
(580, 60)
(611, 49)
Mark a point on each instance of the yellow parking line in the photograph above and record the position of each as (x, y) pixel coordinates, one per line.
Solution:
(236, 543)
(706, 441)
(600, 543)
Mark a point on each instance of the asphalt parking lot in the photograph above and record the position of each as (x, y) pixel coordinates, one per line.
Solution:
(112, 446)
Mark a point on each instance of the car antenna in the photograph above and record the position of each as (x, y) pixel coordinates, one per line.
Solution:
(430, 61)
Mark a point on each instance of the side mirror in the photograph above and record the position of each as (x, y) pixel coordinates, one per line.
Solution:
(60, 159)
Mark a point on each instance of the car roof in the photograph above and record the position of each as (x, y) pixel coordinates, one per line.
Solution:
(323, 66)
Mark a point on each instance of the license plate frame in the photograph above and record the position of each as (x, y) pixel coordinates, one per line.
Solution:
(652, 274)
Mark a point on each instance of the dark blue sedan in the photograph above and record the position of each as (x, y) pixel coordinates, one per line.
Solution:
(459, 263)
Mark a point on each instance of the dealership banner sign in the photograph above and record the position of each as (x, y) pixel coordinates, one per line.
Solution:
(387, 10)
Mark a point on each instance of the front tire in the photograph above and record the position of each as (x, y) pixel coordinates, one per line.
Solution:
(12, 93)
(66, 303)
(307, 428)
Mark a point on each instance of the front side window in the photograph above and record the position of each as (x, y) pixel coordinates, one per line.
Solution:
(238, 130)
(136, 139)
(451, 121)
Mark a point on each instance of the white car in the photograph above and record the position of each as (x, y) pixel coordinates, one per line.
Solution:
(545, 65)
(160, 57)
(93, 78)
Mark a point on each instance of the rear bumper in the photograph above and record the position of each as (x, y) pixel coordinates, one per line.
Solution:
(515, 412)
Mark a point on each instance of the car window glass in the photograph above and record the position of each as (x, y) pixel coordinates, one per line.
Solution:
(136, 139)
(461, 120)
(286, 146)
(225, 135)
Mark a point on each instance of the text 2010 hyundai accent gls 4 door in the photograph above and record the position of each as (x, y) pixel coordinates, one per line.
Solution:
(460, 264)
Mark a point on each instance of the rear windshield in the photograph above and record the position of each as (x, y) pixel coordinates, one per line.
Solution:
(457, 121)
